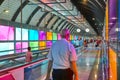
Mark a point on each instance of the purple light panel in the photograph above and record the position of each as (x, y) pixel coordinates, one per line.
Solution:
(49, 43)
(42, 35)
(112, 14)
(18, 46)
(6, 33)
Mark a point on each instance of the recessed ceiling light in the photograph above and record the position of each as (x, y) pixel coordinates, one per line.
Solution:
(87, 30)
(6, 11)
(78, 30)
(93, 18)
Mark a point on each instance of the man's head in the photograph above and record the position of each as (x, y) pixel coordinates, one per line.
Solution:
(65, 33)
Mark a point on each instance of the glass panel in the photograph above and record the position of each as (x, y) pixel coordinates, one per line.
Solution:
(49, 35)
(42, 35)
(49, 44)
(70, 37)
(33, 35)
(6, 53)
(24, 45)
(24, 34)
(6, 33)
(59, 36)
(33, 45)
(42, 44)
(6, 46)
(18, 33)
(54, 36)
(24, 50)
(34, 48)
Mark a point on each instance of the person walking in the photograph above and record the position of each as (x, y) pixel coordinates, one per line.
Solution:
(62, 59)
(29, 55)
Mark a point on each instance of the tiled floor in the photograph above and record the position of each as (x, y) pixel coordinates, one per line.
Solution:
(85, 63)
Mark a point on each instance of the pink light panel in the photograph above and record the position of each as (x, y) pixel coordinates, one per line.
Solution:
(6, 33)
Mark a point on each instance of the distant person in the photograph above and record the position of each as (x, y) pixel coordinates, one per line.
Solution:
(62, 58)
(77, 43)
(81, 42)
(29, 55)
(85, 43)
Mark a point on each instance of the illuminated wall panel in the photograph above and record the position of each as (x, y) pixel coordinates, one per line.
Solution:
(70, 37)
(112, 13)
(113, 65)
(34, 48)
(74, 37)
(59, 36)
(24, 34)
(24, 50)
(49, 35)
(6, 33)
(54, 36)
(42, 35)
(33, 45)
(42, 44)
(24, 45)
(33, 35)
(49, 43)
(18, 46)
(18, 33)
(6, 46)
(6, 53)
(119, 20)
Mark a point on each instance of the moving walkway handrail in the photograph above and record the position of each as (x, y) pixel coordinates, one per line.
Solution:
(15, 56)
(104, 63)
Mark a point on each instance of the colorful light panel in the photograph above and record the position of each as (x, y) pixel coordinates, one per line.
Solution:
(6, 53)
(18, 46)
(6, 46)
(6, 33)
(42, 35)
(24, 50)
(49, 35)
(34, 45)
(54, 36)
(59, 36)
(42, 44)
(33, 35)
(49, 44)
(70, 37)
(18, 33)
(119, 20)
(24, 34)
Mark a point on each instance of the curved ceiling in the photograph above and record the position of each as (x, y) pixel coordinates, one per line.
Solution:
(32, 15)
(53, 14)
(93, 11)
